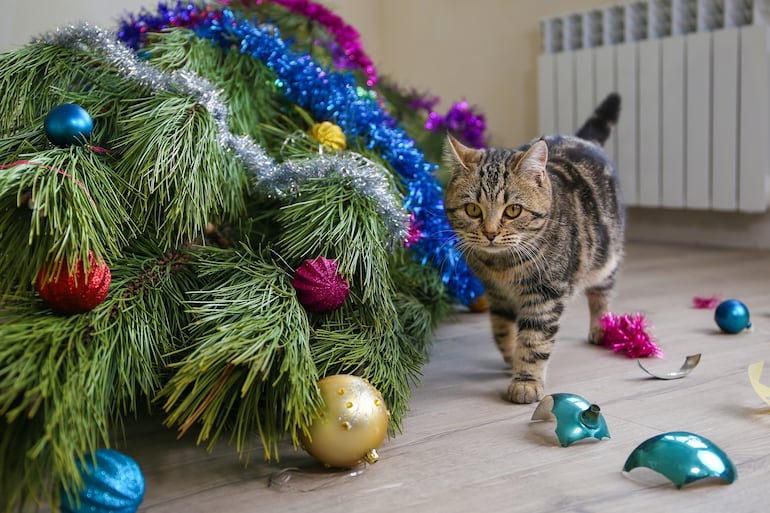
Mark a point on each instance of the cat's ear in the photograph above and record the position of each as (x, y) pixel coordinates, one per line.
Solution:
(533, 161)
(460, 155)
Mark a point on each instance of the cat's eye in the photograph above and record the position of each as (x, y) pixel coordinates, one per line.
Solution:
(473, 210)
(513, 211)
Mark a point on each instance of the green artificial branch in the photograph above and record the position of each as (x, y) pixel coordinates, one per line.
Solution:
(216, 335)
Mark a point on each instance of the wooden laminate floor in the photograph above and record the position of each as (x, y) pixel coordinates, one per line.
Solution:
(465, 449)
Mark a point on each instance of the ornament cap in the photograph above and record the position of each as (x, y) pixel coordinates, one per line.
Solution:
(576, 418)
(371, 456)
(591, 416)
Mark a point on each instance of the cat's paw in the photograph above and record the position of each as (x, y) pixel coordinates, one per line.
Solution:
(521, 392)
(596, 336)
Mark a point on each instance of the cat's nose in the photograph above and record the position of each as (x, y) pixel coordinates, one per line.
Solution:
(491, 235)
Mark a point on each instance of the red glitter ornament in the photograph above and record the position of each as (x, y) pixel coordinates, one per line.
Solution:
(75, 293)
(320, 288)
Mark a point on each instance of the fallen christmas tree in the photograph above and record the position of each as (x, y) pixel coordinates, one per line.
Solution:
(151, 239)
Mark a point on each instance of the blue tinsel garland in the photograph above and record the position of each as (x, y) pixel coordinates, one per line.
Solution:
(332, 96)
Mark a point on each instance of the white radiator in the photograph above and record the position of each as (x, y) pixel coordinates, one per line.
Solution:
(694, 80)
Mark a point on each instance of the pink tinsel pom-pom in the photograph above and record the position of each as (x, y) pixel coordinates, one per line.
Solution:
(705, 303)
(629, 333)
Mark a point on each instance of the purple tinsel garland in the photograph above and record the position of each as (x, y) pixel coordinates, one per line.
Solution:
(461, 120)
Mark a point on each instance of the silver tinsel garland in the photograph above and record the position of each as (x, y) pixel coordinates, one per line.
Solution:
(277, 180)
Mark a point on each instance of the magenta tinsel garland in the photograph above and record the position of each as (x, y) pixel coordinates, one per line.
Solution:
(629, 333)
(414, 234)
(346, 36)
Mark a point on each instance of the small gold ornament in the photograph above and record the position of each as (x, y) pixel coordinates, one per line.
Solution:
(329, 135)
(352, 424)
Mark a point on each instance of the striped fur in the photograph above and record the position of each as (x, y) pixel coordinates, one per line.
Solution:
(538, 224)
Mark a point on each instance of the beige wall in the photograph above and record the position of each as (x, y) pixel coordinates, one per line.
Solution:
(21, 20)
(483, 50)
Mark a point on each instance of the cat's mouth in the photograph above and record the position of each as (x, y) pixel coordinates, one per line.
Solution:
(490, 246)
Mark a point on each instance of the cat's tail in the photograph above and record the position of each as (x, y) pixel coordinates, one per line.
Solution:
(598, 127)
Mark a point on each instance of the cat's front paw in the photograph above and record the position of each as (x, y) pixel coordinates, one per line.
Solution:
(596, 336)
(525, 392)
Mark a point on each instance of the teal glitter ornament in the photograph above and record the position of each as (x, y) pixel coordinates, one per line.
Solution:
(576, 418)
(113, 484)
(732, 316)
(683, 458)
(68, 124)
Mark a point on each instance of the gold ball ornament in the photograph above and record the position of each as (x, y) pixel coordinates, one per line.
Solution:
(329, 135)
(351, 426)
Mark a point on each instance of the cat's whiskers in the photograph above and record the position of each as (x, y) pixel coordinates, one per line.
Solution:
(529, 254)
(533, 249)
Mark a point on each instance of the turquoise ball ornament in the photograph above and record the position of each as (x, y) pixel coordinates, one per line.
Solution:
(68, 124)
(113, 483)
(732, 316)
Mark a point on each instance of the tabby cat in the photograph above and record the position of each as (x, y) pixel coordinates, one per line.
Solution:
(537, 224)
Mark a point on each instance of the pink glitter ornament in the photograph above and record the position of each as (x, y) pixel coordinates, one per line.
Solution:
(628, 333)
(320, 288)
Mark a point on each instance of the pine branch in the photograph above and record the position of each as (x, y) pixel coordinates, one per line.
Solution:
(181, 175)
(65, 381)
(351, 343)
(58, 205)
(250, 367)
(252, 109)
(36, 78)
(27, 78)
(331, 219)
(423, 283)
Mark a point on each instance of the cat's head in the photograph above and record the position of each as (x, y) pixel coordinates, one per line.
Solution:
(497, 198)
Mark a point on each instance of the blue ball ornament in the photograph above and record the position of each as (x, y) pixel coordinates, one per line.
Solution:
(732, 316)
(114, 484)
(68, 124)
